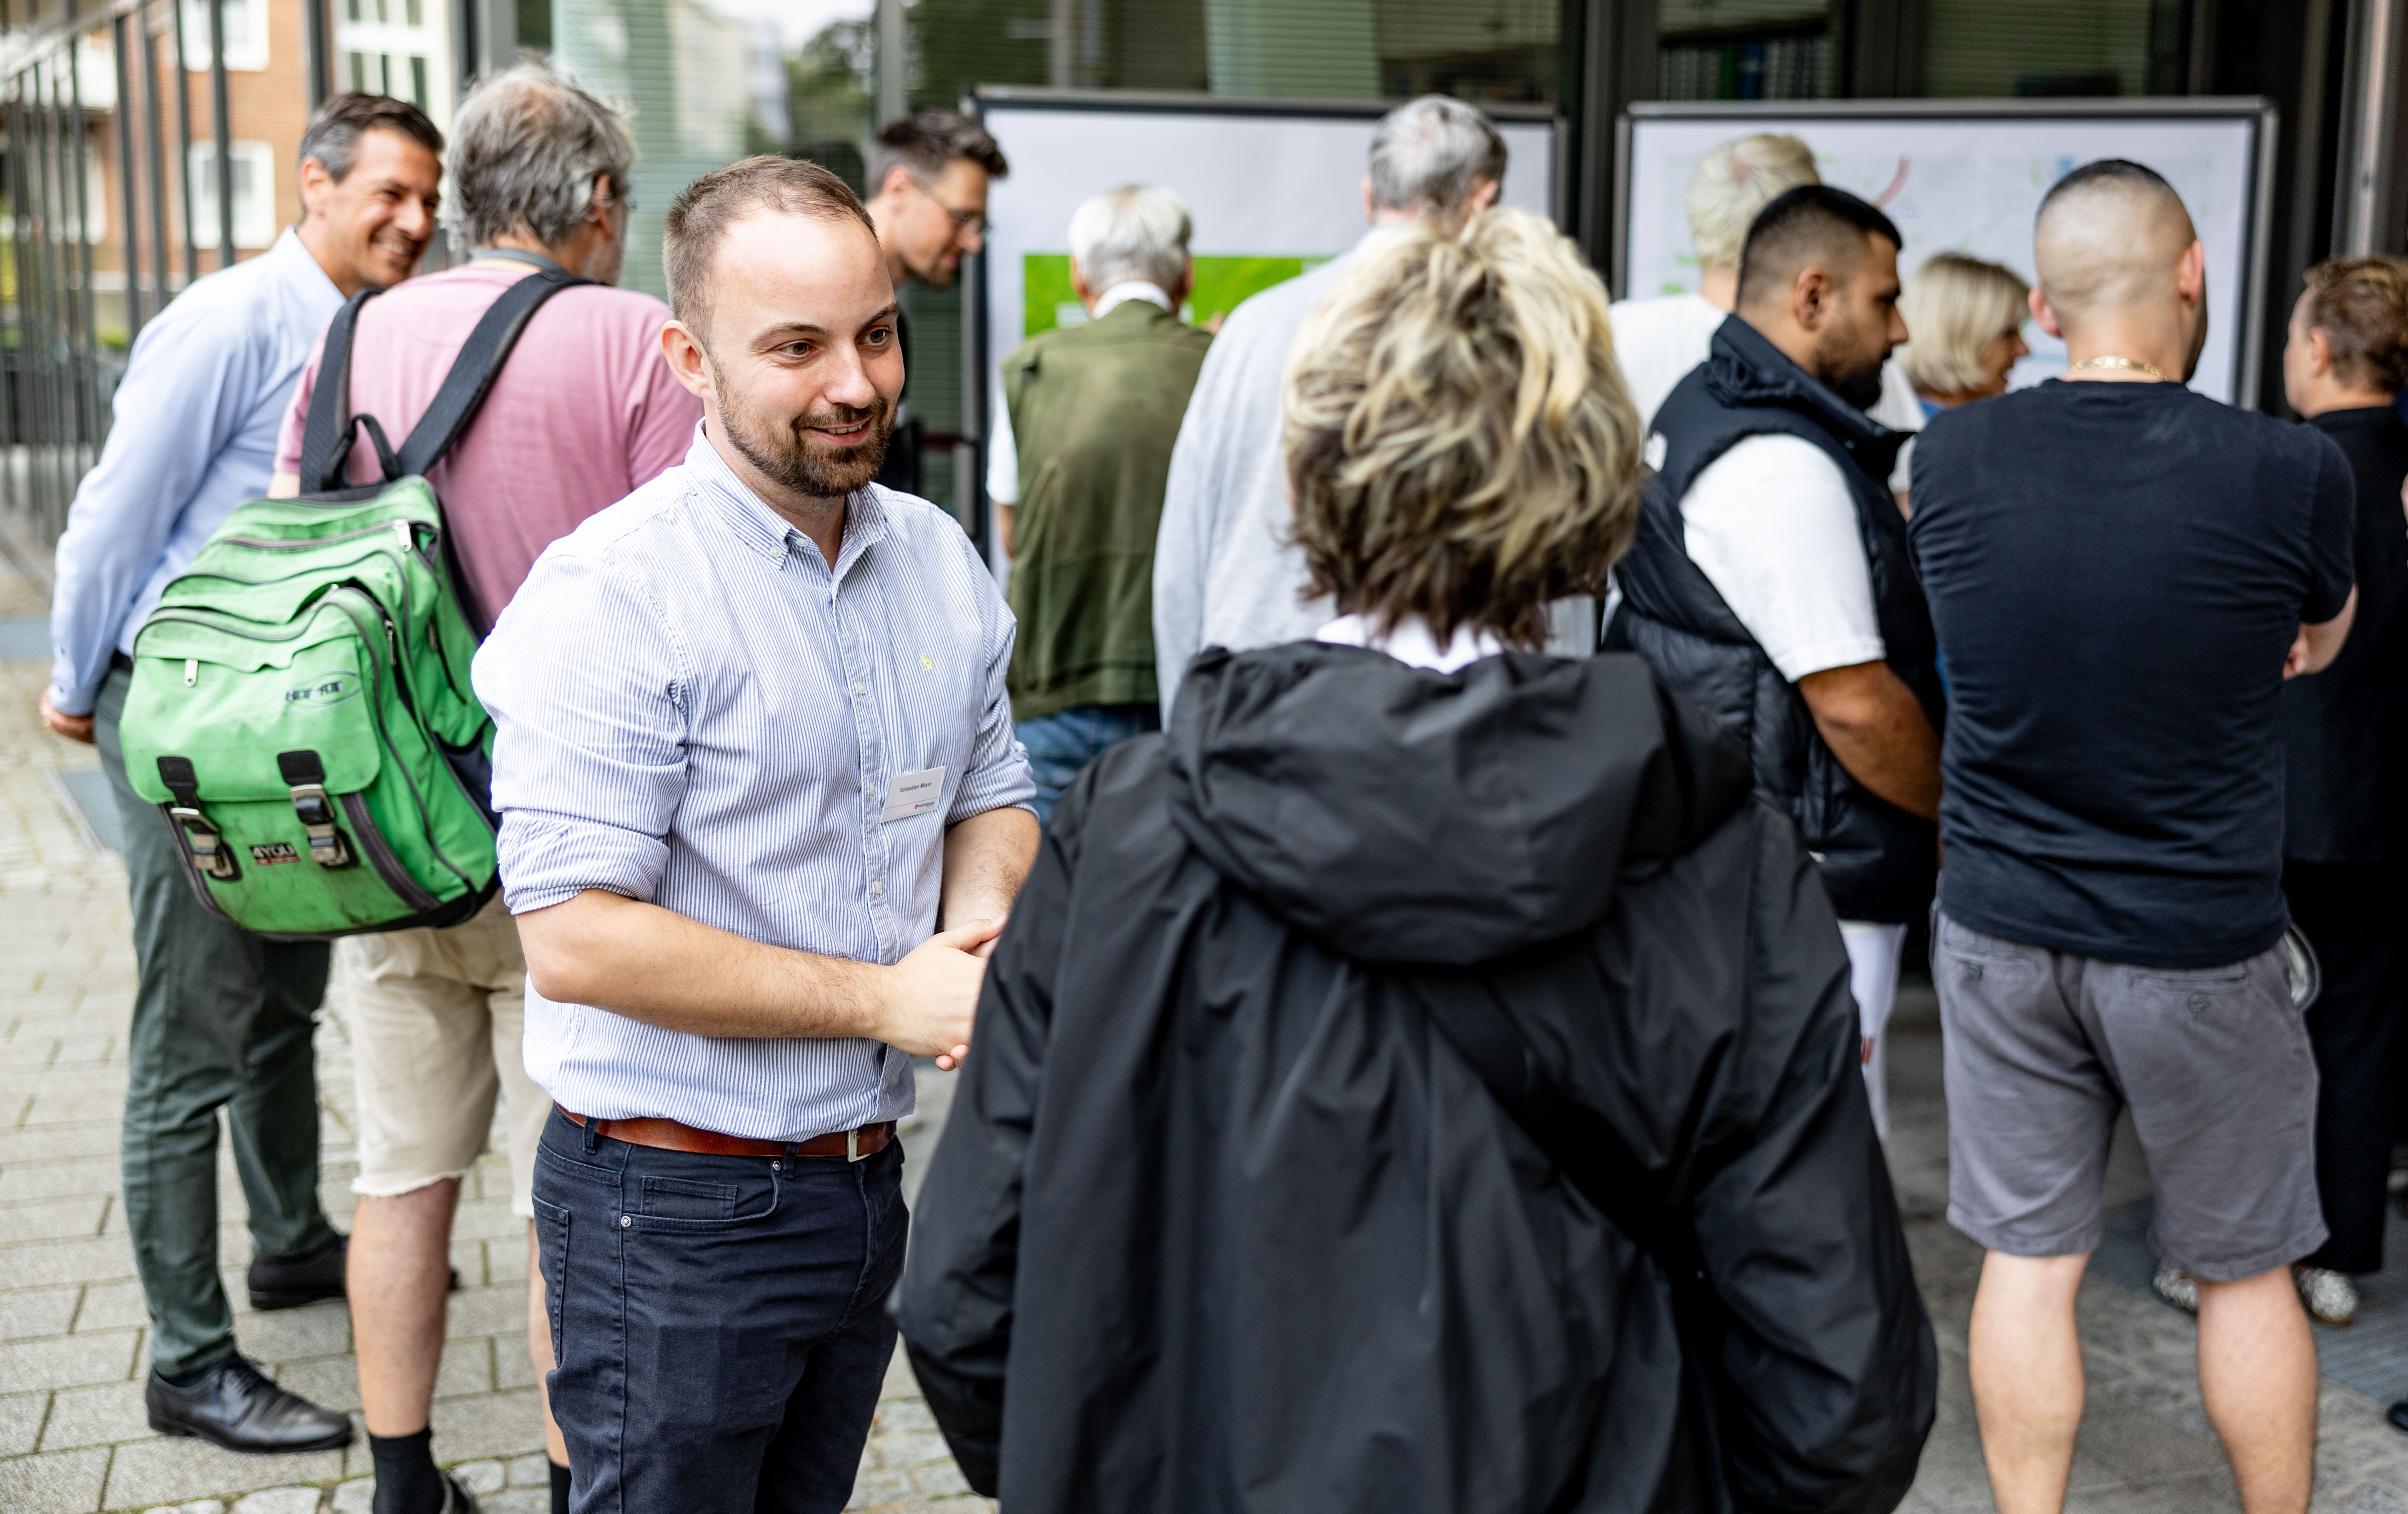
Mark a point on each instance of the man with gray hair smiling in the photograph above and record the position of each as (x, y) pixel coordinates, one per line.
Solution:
(584, 409)
(1076, 468)
(1223, 572)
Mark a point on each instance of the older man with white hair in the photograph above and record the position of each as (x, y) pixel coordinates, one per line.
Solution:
(1224, 573)
(2122, 573)
(1079, 458)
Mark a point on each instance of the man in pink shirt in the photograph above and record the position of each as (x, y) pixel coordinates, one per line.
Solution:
(584, 410)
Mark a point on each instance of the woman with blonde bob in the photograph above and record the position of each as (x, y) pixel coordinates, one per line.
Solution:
(1422, 1079)
(1966, 319)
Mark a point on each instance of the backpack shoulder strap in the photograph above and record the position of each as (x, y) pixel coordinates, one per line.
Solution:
(1581, 1142)
(1584, 1147)
(473, 371)
(327, 432)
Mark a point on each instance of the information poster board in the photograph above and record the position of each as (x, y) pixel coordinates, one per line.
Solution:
(1275, 187)
(1967, 177)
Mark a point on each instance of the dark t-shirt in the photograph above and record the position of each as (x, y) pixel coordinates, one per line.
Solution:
(2345, 730)
(2117, 571)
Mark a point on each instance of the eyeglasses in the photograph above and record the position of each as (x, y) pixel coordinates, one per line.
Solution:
(974, 221)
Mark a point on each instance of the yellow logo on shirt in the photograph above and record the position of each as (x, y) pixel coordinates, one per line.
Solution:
(925, 663)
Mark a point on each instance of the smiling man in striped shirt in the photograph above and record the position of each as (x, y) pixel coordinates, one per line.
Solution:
(753, 751)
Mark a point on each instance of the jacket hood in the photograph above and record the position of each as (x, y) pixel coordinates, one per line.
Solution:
(1743, 368)
(1397, 814)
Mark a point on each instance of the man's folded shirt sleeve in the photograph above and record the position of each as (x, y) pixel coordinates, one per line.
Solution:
(586, 691)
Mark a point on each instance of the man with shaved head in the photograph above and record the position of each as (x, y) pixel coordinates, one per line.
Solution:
(752, 750)
(1771, 582)
(2123, 573)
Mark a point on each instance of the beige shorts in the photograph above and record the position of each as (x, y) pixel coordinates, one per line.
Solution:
(437, 1017)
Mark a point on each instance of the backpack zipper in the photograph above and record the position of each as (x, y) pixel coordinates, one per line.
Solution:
(376, 717)
(303, 544)
(380, 857)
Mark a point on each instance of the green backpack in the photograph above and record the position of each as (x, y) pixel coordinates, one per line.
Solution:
(301, 711)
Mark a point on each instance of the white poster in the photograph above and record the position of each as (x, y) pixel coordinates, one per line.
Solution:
(1271, 194)
(1973, 184)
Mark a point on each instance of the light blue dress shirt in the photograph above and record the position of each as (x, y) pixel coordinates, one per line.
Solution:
(194, 434)
(692, 710)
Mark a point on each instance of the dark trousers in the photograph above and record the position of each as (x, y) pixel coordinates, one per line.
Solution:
(222, 1019)
(720, 1323)
(2356, 916)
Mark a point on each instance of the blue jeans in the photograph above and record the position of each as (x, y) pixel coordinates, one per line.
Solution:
(1061, 744)
(720, 1321)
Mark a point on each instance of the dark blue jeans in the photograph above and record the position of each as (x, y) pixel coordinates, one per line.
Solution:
(720, 1323)
(1061, 744)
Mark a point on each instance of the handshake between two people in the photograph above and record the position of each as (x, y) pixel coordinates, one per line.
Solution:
(933, 992)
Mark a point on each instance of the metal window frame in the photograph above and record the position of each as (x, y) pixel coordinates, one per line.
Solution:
(60, 381)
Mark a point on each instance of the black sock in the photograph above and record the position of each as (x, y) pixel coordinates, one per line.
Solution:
(405, 1479)
(188, 1379)
(559, 1488)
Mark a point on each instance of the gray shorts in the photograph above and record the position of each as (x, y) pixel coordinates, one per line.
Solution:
(2044, 1048)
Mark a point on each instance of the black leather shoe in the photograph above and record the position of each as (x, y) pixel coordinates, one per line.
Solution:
(295, 1280)
(456, 1499)
(2398, 1415)
(234, 1405)
(289, 1282)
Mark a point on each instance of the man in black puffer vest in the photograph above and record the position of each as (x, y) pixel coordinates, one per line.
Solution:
(1771, 582)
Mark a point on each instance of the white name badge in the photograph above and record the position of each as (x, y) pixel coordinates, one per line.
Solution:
(913, 793)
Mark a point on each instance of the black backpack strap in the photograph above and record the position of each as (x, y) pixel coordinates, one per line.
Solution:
(473, 371)
(326, 433)
(1585, 1147)
(1578, 1139)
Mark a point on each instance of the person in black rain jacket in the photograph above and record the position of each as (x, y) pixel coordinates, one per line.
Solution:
(1224, 1220)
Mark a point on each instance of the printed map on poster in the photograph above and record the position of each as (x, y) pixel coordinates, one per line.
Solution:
(1971, 185)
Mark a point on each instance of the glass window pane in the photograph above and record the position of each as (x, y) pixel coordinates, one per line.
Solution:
(1747, 50)
(2041, 48)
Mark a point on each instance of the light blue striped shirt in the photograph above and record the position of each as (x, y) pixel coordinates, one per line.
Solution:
(197, 419)
(692, 710)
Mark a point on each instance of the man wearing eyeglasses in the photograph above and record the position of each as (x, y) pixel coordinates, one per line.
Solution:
(928, 175)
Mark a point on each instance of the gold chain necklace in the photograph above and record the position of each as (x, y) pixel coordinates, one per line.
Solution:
(2119, 363)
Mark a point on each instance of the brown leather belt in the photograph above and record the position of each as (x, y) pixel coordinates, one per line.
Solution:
(671, 1135)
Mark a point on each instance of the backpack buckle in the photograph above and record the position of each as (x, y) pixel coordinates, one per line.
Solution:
(327, 846)
(202, 841)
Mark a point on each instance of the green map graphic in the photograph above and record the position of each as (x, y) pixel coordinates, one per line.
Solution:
(1220, 284)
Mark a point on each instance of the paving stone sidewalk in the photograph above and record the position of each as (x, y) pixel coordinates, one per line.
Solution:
(72, 1327)
(73, 1333)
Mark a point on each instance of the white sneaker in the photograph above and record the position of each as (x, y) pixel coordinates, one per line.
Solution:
(2330, 1295)
(2176, 1286)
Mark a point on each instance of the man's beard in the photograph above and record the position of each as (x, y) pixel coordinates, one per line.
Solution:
(783, 451)
(1850, 370)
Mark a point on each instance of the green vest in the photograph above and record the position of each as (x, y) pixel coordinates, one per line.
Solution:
(1094, 410)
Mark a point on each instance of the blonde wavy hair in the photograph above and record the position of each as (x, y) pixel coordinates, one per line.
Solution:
(1954, 306)
(1460, 446)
